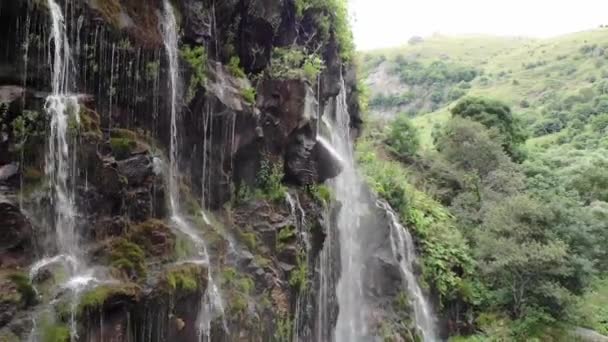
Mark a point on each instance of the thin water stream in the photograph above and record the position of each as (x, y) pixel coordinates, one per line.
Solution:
(211, 301)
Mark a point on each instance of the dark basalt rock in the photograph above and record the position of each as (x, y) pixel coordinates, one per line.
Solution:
(138, 170)
(15, 234)
(258, 28)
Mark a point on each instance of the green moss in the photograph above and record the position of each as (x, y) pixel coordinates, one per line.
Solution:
(298, 278)
(285, 235)
(123, 133)
(145, 233)
(25, 289)
(185, 278)
(234, 66)
(184, 247)
(90, 122)
(249, 95)
(94, 299)
(55, 333)
(128, 257)
(122, 147)
(321, 193)
(250, 239)
(152, 70)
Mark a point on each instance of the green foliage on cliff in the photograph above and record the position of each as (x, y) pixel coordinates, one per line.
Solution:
(270, 180)
(249, 95)
(235, 68)
(294, 63)
(339, 22)
(185, 278)
(196, 57)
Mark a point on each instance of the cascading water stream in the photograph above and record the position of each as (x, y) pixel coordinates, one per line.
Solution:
(352, 319)
(353, 309)
(403, 249)
(211, 303)
(60, 168)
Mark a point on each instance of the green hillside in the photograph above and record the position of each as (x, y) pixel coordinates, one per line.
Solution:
(539, 79)
(495, 151)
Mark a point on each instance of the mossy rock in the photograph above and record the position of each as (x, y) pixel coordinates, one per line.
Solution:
(108, 296)
(90, 124)
(123, 133)
(127, 257)
(16, 290)
(185, 278)
(122, 148)
(155, 237)
(55, 333)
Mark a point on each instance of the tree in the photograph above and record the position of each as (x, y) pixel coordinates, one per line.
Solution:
(521, 259)
(494, 114)
(403, 137)
(469, 146)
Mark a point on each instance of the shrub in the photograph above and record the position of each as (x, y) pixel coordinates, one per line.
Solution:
(249, 94)
(294, 63)
(270, 180)
(403, 136)
(196, 57)
(234, 66)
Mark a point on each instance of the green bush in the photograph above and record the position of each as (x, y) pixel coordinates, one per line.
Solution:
(270, 180)
(249, 95)
(403, 136)
(234, 66)
(196, 57)
(294, 63)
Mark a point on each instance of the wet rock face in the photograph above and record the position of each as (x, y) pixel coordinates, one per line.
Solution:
(15, 235)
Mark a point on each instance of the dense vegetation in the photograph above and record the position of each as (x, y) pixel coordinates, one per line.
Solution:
(504, 184)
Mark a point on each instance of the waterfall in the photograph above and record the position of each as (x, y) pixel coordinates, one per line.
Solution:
(403, 249)
(353, 317)
(211, 302)
(61, 107)
(60, 169)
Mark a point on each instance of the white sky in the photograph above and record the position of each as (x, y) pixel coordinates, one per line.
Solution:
(385, 23)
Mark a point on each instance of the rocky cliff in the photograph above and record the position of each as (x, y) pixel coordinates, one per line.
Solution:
(255, 77)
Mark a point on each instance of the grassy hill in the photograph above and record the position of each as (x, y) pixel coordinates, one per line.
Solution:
(539, 79)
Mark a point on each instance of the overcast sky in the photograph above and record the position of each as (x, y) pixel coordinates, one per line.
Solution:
(385, 23)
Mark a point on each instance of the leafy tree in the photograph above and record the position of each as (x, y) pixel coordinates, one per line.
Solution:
(403, 136)
(469, 146)
(494, 114)
(521, 259)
